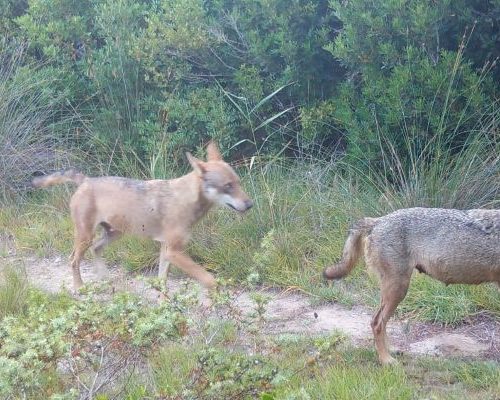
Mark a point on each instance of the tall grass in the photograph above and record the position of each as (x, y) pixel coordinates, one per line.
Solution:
(289, 230)
(458, 164)
(13, 290)
(440, 175)
(32, 125)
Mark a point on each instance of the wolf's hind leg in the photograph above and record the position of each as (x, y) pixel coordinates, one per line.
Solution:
(393, 291)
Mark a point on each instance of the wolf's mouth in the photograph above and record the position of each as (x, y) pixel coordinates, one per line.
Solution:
(235, 209)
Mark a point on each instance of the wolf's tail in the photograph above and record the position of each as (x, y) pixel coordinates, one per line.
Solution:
(59, 177)
(353, 249)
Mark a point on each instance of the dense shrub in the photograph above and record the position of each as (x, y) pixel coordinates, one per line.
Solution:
(52, 331)
(153, 78)
(406, 88)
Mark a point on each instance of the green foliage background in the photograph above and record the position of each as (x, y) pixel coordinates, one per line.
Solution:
(178, 72)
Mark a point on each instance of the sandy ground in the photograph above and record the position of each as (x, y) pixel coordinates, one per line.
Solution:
(294, 313)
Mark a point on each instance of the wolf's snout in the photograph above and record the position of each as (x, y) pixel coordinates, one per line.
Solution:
(248, 204)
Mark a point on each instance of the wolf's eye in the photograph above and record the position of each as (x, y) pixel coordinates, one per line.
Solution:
(228, 187)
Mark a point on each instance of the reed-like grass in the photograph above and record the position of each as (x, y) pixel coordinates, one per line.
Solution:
(13, 289)
(34, 127)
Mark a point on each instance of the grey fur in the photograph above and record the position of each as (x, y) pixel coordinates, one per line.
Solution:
(452, 246)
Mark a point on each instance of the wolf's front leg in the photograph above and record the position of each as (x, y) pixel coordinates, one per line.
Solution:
(186, 263)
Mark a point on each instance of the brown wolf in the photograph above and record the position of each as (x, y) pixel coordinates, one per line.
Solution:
(451, 246)
(163, 210)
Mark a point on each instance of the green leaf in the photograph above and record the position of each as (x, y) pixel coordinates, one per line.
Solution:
(271, 119)
(268, 97)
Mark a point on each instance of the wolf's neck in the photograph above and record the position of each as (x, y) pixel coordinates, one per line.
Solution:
(198, 203)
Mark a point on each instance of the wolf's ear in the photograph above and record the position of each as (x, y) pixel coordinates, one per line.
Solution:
(198, 165)
(213, 153)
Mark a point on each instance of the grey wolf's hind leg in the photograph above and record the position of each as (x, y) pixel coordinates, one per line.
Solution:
(393, 290)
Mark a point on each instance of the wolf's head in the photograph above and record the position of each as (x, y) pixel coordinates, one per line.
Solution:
(220, 184)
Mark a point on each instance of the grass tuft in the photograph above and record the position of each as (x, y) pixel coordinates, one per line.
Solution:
(13, 290)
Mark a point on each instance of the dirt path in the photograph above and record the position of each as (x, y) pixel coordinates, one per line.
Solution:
(289, 312)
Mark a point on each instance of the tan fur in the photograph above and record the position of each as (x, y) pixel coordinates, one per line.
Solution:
(163, 210)
(59, 177)
(452, 246)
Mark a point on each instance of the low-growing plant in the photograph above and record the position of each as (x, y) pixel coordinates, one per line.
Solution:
(55, 329)
(229, 374)
(260, 302)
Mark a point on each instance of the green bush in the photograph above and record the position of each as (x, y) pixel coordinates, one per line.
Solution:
(408, 89)
(178, 73)
(439, 106)
(223, 374)
(53, 329)
(141, 71)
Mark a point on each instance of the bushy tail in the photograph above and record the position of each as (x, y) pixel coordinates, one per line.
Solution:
(353, 249)
(59, 177)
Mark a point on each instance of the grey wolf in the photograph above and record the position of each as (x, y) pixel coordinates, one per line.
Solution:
(452, 246)
(163, 210)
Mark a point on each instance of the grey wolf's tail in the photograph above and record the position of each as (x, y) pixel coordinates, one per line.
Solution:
(59, 177)
(353, 249)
